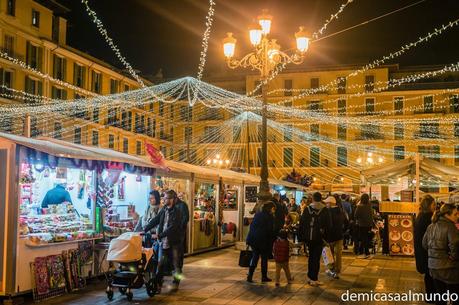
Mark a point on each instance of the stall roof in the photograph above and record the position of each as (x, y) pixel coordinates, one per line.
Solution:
(70, 150)
(429, 169)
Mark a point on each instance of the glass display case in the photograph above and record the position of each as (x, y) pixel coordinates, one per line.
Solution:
(204, 232)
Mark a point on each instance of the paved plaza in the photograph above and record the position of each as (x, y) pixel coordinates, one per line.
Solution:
(215, 278)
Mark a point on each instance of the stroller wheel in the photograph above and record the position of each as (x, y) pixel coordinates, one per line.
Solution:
(152, 287)
(109, 293)
(122, 290)
(129, 295)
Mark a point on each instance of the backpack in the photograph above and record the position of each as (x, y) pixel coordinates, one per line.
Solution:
(313, 230)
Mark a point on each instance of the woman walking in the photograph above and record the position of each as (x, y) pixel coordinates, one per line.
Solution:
(364, 222)
(441, 241)
(260, 239)
(423, 220)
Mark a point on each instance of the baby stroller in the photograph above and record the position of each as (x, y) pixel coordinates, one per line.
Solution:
(136, 266)
(292, 225)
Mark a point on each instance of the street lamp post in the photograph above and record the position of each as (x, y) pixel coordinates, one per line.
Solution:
(265, 58)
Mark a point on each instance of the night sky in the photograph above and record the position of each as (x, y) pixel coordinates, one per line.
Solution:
(167, 34)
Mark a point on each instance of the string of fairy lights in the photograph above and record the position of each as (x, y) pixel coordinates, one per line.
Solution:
(204, 98)
(334, 16)
(205, 38)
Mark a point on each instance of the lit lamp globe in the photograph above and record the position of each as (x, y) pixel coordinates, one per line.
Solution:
(302, 40)
(273, 52)
(227, 162)
(265, 20)
(220, 162)
(229, 45)
(208, 162)
(255, 34)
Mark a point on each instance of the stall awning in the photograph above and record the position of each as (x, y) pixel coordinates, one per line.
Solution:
(429, 169)
(64, 149)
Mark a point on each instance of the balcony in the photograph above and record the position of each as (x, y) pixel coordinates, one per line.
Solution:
(428, 135)
(13, 54)
(369, 136)
(429, 111)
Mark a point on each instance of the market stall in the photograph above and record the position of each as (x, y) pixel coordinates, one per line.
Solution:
(51, 211)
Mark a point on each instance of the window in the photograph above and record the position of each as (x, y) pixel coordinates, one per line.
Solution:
(126, 88)
(59, 67)
(288, 104)
(236, 134)
(11, 7)
(163, 150)
(288, 133)
(399, 131)
(34, 128)
(314, 157)
(398, 105)
(111, 141)
(58, 93)
(139, 123)
(58, 130)
(212, 134)
(315, 106)
(342, 107)
(95, 138)
(456, 155)
(185, 113)
(181, 155)
(429, 130)
(96, 84)
(95, 114)
(370, 105)
(7, 125)
(153, 132)
(35, 18)
(79, 73)
(428, 104)
(314, 83)
(288, 157)
(171, 110)
(456, 129)
(188, 134)
(342, 156)
(171, 134)
(315, 131)
(34, 56)
(370, 132)
(341, 85)
(454, 103)
(399, 153)
(138, 147)
(150, 127)
(342, 132)
(126, 120)
(33, 86)
(8, 45)
(369, 83)
(114, 86)
(77, 135)
(126, 145)
(288, 86)
(55, 28)
(430, 151)
(162, 136)
(6, 79)
(161, 108)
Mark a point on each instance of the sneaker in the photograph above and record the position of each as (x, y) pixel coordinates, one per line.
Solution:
(313, 283)
(319, 283)
(329, 273)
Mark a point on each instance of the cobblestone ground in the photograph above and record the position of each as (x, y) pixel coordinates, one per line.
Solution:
(216, 278)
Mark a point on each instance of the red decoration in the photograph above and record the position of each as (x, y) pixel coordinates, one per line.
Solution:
(156, 156)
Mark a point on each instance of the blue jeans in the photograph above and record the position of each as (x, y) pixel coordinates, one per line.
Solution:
(264, 262)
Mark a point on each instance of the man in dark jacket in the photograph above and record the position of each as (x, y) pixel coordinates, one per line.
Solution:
(56, 195)
(185, 216)
(315, 224)
(279, 215)
(169, 222)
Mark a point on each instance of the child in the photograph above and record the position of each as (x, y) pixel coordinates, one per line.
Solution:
(281, 251)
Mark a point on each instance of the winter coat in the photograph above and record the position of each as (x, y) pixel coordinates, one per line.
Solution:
(423, 220)
(337, 227)
(281, 250)
(364, 215)
(319, 216)
(149, 214)
(173, 229)
(279, 216)
(261, 232)
(185, 214)
(56, 195)
(441, 241)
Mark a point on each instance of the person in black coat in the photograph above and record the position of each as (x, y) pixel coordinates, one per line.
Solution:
(260, 239)
(423, 220)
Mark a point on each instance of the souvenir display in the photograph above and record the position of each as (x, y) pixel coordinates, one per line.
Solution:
(204, 215)
(54, 205)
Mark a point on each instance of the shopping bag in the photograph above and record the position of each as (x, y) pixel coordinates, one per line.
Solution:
(244, 258)
(327, 256)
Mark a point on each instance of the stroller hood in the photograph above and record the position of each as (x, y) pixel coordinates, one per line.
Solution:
(126, 248)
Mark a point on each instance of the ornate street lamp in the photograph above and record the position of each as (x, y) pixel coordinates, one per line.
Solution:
(265, 58)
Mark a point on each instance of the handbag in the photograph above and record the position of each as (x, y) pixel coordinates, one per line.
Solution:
(327, 255)
(245, 257)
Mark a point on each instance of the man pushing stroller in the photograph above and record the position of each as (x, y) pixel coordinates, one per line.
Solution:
(171, 223)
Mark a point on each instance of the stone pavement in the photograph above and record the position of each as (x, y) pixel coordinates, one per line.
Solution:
(215, 278)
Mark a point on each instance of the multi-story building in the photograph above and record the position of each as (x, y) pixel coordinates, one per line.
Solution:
(34, 32)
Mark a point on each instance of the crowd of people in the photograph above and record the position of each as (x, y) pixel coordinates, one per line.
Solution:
(337, 222)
